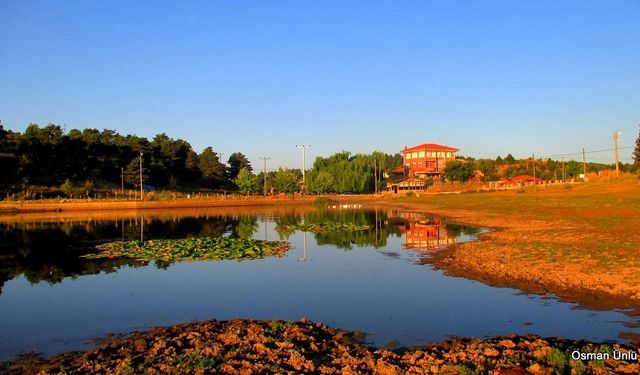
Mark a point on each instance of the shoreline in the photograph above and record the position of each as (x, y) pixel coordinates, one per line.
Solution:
(275, 346)
(509, 255)
(64, 205)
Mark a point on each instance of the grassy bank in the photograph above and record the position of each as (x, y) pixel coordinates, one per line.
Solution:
(267, 347)
(577, 241)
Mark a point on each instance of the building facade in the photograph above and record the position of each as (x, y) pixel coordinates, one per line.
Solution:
(427, 159)
(420, 162)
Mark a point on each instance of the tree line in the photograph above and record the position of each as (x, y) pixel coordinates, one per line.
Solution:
(79, 161)
(49, 156)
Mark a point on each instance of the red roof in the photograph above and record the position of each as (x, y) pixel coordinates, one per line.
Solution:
(429, 147)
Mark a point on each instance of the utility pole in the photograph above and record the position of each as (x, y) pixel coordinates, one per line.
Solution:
(616, 134)
(122, 180)
(375, 176)
(563, 177)
(533, 158)
(141, 186)
(304, 181)
(264, 174)
(584, 164)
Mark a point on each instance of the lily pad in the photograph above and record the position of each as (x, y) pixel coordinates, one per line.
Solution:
(203, 248)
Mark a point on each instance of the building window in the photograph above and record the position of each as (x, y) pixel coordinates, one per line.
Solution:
(421, 154)
(414, 155)
(408, 156)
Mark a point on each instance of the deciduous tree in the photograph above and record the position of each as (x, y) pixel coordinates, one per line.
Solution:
(286, 181)
(246, 181)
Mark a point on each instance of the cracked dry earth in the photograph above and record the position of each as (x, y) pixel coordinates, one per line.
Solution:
(278, 347)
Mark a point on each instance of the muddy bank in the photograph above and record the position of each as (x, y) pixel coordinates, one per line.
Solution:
(250, 347)
(579, 244)
(456, 264)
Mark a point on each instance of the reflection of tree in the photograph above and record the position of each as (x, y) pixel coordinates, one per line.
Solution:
(285, 224)
(343, 239)
(456, 230)
(244, 227)
(50, 252)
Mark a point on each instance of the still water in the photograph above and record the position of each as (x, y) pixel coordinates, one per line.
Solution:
(377, 281)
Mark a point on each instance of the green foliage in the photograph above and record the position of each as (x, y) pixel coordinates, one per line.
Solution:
(342, 228)
(458, 171)
(247, 182)
(489, 169)
(350, 173)
(237, 161)
(47, 156)
(67, 187)
(320, 182)
(207, 248)
(428, 182)
(212, 170)
(574, 168)
(286, 181)
(636, 151)
(509, 159)
(557, 359)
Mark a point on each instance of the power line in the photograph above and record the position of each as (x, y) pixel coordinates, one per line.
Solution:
(586, 152)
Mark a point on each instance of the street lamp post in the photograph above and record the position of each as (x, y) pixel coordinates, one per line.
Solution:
(304, 181)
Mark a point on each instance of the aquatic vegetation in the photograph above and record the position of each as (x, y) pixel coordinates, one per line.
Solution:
(327, 226)
(206, 248)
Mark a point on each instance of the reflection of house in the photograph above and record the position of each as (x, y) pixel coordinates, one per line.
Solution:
(420, 162)
(426, 234)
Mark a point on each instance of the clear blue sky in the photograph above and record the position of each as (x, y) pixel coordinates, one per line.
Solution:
(543, 77)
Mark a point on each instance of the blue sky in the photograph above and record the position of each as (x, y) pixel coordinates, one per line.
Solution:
(488, 77)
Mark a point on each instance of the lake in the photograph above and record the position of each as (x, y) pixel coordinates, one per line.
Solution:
(377, 281)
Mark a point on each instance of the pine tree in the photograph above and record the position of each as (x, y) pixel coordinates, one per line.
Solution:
(636, 152)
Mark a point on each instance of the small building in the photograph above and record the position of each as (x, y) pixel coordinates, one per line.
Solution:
(408, 183)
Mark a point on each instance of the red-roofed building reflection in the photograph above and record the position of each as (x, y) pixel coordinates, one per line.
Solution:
(426, 233)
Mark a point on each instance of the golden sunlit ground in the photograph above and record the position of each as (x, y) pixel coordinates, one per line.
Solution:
(578, 240)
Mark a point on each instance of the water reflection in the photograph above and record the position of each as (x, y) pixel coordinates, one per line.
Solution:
(49, 251)
(367, 278)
